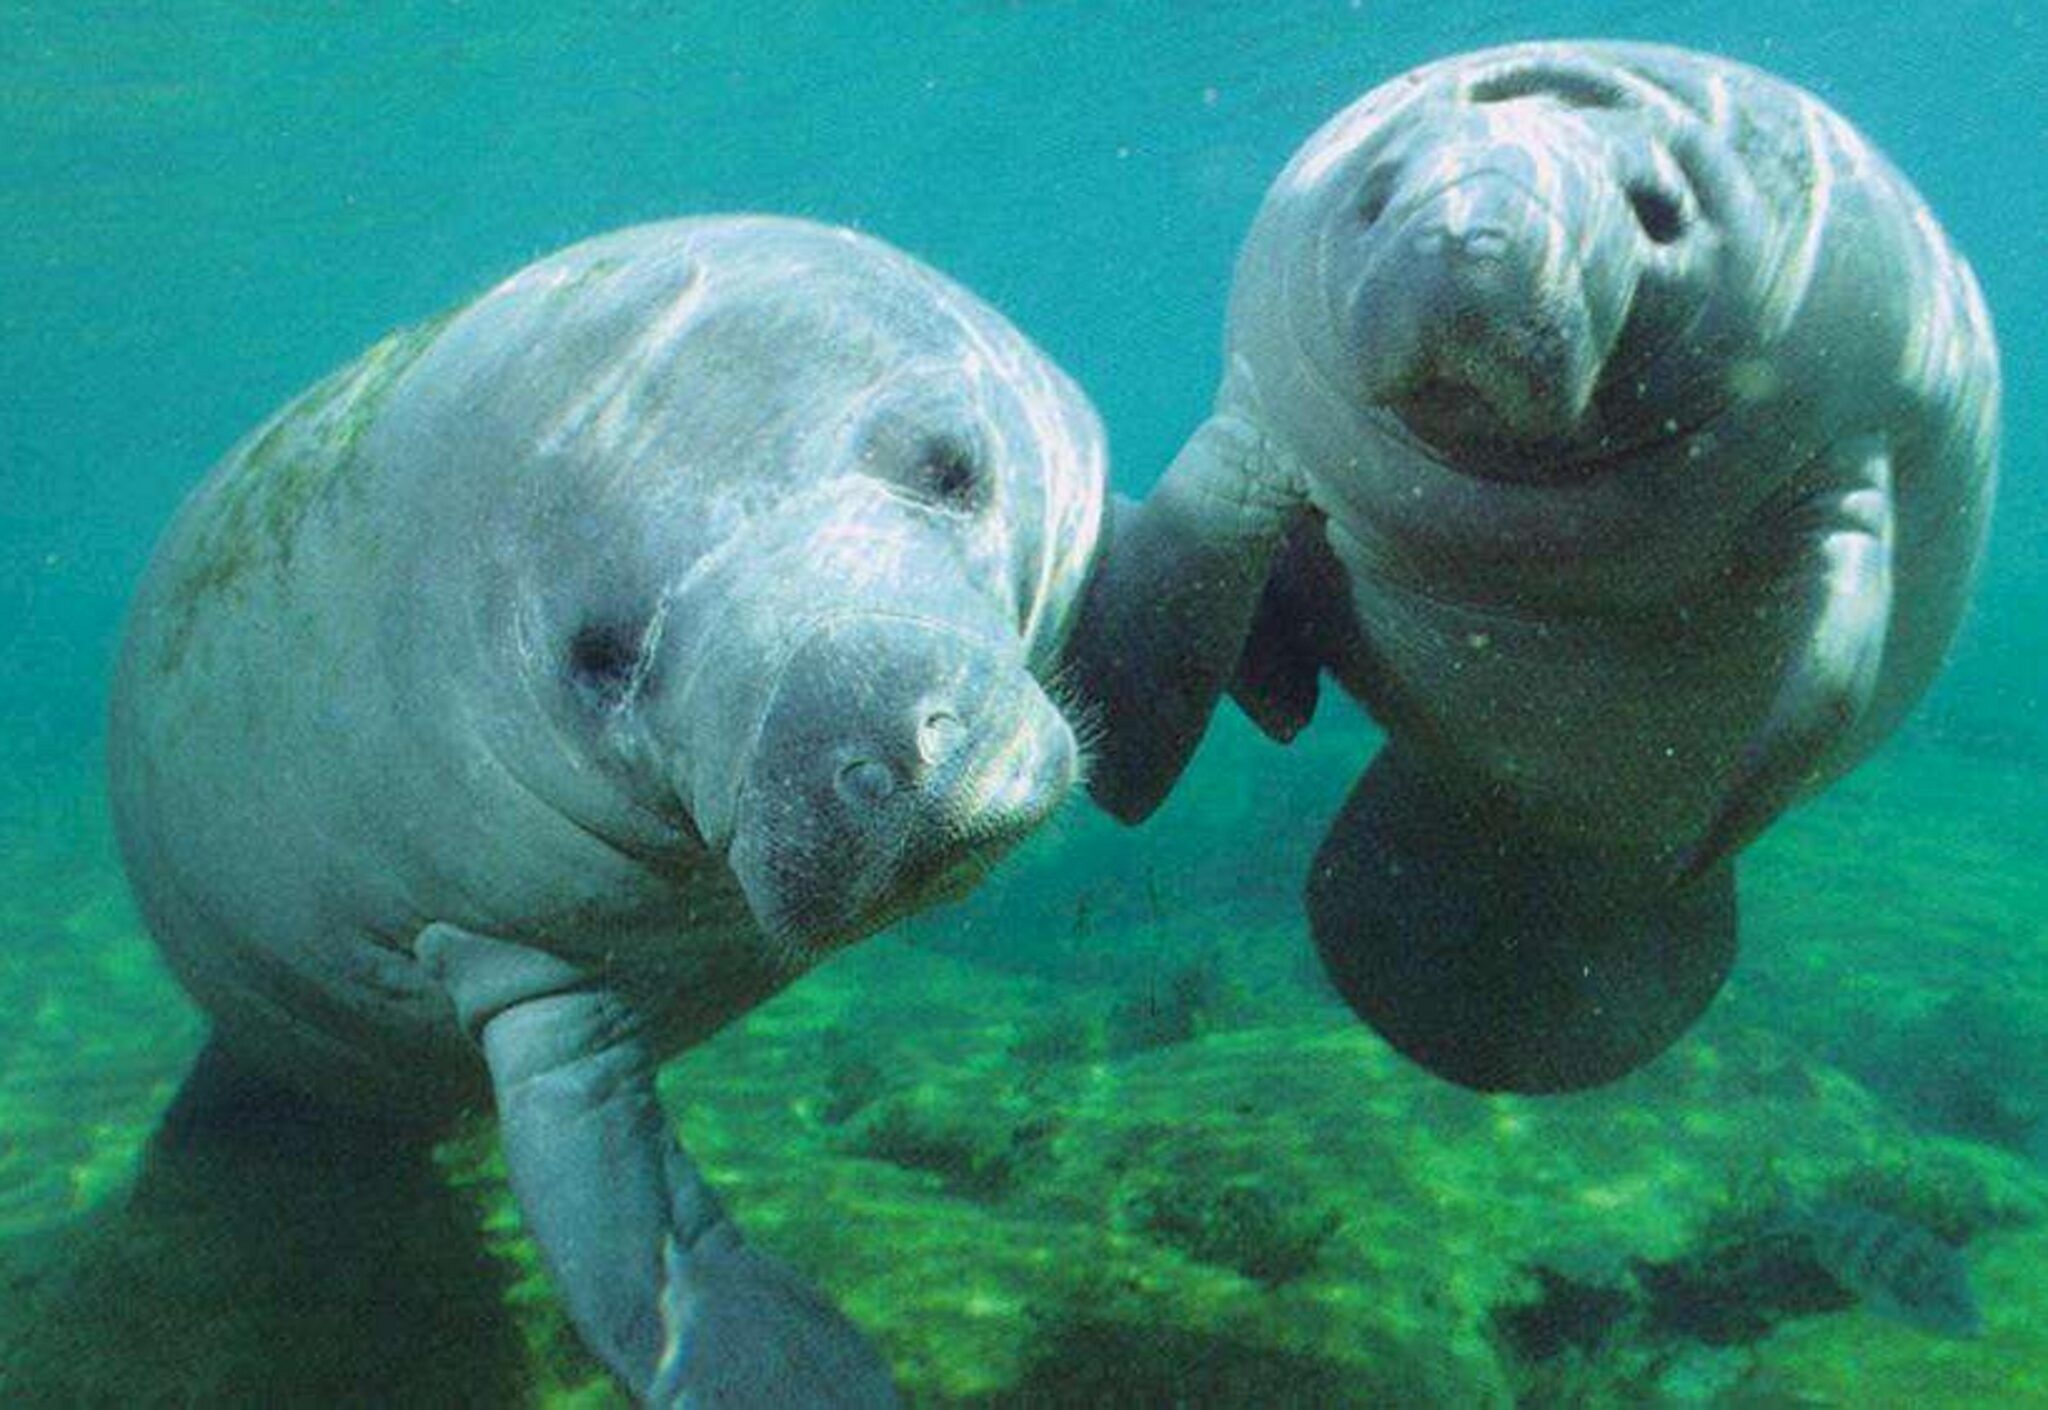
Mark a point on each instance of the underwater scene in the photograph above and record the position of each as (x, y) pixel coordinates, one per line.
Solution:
(865, 703)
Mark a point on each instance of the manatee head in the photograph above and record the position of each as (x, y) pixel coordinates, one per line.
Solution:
(865, 734)
(1527, 259)
(819, 518)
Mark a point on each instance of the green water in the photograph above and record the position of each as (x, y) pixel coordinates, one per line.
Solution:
(1096, 1136)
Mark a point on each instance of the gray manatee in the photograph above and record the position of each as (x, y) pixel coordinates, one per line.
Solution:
(567, 675)
(1619, 428)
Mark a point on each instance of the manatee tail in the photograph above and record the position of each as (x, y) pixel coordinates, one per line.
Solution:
(273, 1251)
(1499, 958)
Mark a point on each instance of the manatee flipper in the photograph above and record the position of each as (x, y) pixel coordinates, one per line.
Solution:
(1497, 957)
(1166, 611)
(1304, 606)
(656, 1276)
(1837, 580)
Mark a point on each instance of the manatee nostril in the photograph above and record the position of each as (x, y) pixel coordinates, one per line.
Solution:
(1571, 87)
(938, 735)
(1658, 212)
(866, 781)
(1478, 242)
(1487, 243)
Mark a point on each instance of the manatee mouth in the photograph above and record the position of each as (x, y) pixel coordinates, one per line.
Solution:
(1007, 794)
(938, 880)
(1526, 380)
(807, 928)
(899, 762)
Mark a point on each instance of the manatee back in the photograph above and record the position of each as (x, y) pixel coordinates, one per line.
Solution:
(253, 777)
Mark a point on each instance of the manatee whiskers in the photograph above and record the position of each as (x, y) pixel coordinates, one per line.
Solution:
(1084, 716)
(784, 946)
(789, 943)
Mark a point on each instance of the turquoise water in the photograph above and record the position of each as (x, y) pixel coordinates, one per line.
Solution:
(207, 206)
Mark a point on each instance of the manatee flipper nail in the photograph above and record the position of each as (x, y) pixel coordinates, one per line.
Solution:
(1837, 578)
(740, 1328)
(1497, 957)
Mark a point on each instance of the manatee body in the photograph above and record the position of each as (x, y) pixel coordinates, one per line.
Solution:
(565, 676)
(1619, 427)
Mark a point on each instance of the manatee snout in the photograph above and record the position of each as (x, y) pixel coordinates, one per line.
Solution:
(1472, 296)
(1492, 273)
(1475, 304)
(898, 759)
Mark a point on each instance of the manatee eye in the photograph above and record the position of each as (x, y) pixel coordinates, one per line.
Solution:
(1658, 212)
(935, 455)
(604, 658)
(947, 473)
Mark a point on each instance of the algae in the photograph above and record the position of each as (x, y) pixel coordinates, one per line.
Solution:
(249, 518)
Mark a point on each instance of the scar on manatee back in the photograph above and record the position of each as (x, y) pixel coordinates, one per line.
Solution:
(307, 455)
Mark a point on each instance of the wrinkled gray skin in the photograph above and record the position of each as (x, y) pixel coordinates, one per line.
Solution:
(565, 676)
(1619, 428)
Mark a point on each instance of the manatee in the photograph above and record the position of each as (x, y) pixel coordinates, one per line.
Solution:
(1618, 427)
(564, 677)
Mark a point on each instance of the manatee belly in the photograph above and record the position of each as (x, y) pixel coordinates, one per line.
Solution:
(1624, 728)
(1617, 706)
(1616, 730)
